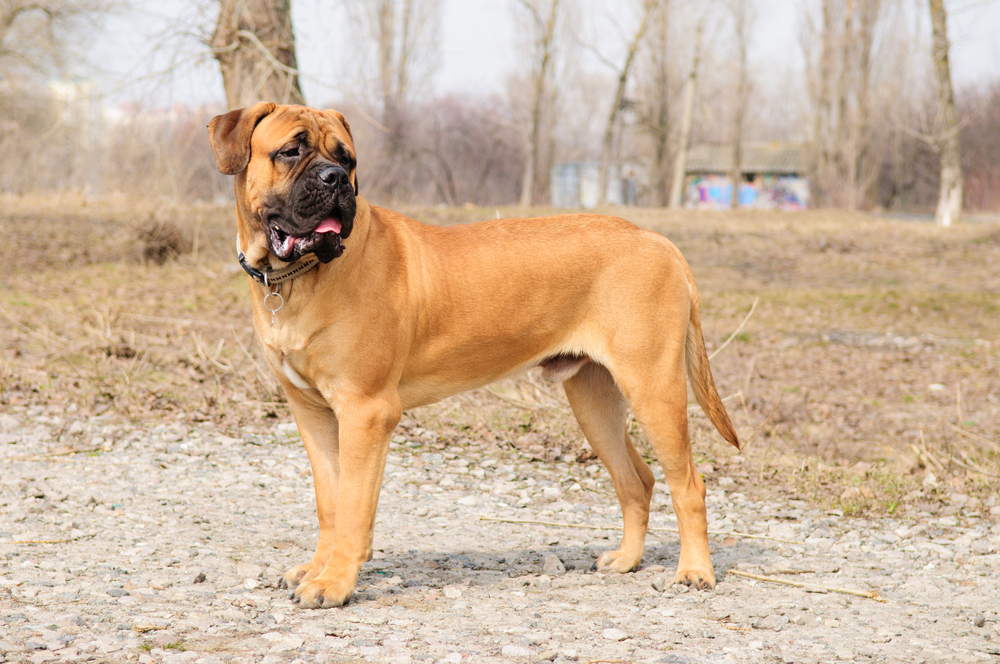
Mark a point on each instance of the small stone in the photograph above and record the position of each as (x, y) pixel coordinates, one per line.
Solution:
(201, 578)
(515, 652)
(249, 570)
(979, 620)
(772, 622)
(420, 511)
(552, 565)
(659, 583)
(469, 501)
(570, 655)
(283, 642)
(452, 592)
(614, 634)
(548, 655)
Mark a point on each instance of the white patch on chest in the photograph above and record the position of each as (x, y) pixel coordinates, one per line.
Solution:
(297, 380)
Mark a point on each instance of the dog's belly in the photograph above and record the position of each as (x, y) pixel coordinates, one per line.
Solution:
(423, 390)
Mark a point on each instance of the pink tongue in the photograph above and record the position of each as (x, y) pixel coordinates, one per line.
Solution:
(328, 226)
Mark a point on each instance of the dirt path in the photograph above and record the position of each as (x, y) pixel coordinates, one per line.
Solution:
(166, 548)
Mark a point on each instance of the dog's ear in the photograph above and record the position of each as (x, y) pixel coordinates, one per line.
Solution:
(229, 135)
(347, 125)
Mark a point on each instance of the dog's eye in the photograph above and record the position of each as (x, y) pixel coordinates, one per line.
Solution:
(291, 152)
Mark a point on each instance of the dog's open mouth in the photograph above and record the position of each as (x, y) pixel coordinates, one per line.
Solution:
(323, 241)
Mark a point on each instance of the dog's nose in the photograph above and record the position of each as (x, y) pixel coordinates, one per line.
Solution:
(333, 176)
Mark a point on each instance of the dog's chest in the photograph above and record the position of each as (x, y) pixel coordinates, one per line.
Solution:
(285, 354)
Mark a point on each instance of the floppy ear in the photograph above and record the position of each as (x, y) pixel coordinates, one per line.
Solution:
(340, 118)
(229, 135)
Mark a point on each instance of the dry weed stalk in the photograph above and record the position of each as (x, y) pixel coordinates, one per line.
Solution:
(983, 446)
(870, 594)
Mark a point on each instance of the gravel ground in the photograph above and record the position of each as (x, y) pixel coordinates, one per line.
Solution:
(164, 544)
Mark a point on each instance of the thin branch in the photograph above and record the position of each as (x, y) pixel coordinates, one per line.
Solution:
(738, 330)
(870, 594)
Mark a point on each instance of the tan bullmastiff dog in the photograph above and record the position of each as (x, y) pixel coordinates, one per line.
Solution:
(363, 313)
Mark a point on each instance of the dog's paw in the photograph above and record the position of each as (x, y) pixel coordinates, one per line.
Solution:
(617, 561)
(293, 577)
(323, 592)
(697, 579)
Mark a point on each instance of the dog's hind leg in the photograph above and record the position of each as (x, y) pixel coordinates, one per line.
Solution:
(660, 405)
(601, 410)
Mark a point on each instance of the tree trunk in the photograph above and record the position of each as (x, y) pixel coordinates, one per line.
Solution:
(255, 47)
(655, 114)
(949, 208)
(824, 120)
(741, 20)
(680, 165)
(544, 50)
(619, 99)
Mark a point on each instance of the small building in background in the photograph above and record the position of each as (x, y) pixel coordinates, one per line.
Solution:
(576, 184)
(774, 176)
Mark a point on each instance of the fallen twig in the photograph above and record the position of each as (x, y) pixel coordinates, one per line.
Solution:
(60, 541)
(870, 594)
(39, 457)
(738, 330)
(556, 524)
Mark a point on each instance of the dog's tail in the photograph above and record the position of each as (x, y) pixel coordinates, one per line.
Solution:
(700, 374)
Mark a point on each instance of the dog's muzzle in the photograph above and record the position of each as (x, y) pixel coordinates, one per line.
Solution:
(319, 214)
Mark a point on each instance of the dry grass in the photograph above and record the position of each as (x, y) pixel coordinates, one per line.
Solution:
(872, 359)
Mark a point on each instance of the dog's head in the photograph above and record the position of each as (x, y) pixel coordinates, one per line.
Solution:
(296, 177)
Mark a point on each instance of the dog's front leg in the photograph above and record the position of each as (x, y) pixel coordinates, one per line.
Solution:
(365, 426)
(318, 427)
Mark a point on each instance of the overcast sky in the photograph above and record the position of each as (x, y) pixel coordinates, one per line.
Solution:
(140, 44)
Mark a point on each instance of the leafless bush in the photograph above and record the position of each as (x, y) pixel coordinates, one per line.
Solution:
(979, 113)
(160, 240)
(38, 140)
(453, 150)
(162, 153)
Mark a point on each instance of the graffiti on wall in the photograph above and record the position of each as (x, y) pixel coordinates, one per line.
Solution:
(769, 192)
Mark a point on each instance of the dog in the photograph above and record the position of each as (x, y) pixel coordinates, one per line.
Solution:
(363, 313)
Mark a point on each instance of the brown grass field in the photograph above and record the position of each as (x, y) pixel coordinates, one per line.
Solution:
(872, 358)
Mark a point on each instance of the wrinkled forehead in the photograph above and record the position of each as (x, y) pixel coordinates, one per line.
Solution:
(323, 130)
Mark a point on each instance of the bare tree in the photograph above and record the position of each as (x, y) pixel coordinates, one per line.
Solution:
(35, 34)
(655, 93)
(618, 102)
(843, 84)
(38, 40)
(255, 47)
(949, 207)
(744, 15)
(399, 38)
(680, 165)
(542, 19)
(396, 42)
